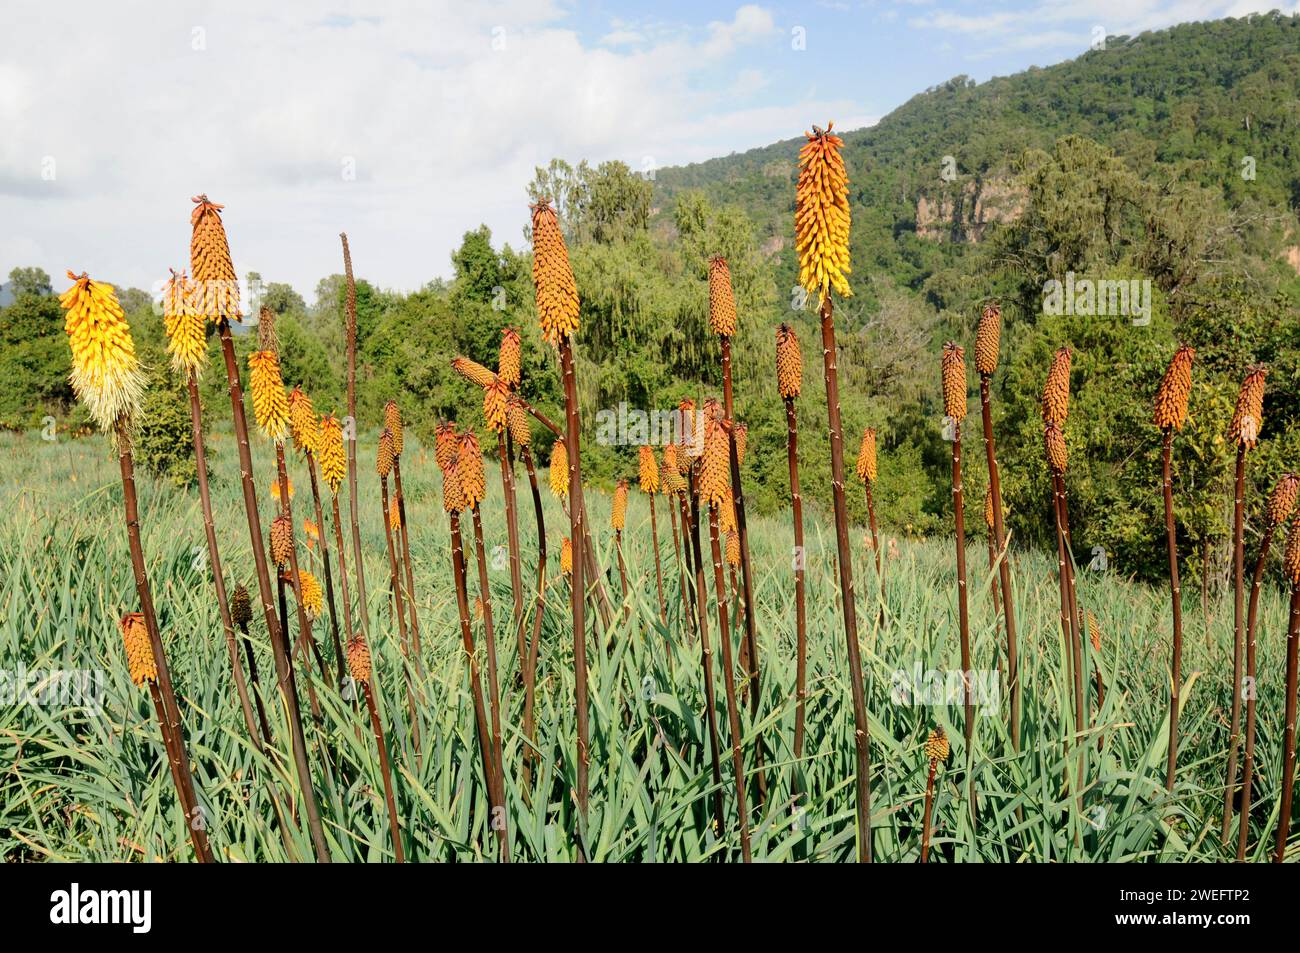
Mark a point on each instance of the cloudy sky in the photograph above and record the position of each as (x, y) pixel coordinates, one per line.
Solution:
(408, 123)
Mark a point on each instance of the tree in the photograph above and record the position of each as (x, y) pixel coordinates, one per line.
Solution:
(33, 281)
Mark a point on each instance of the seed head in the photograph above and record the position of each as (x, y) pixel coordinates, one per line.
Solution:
(566, 556)
(559, 469)
(473, 479)
(988, 510)
(384, 454)
(267, 338)
(1291, 561)
(216, 286)
(722, 304)
(473, 371)
(727, 512)
(281, 540)
(618, 512)
(453, 497)
(359, 666)
(394, 515)
(517, 419)
(311, 594)
(106, 374)
(1248, 418)
(987, 337)
(270, 406)
(446, 442)
(187, 341)
(1094, 632)
(303, 422)
(649, 470)
(740, 434)
(821, 215)
(1054, 442)
(789, 362)
(139, 650)
(1281, 502)
(509, 357)
(557, 293)
(1175, 388)
(241, 608)
(936, 746)
(866, 465)
(733, 548)
(954, 381)
(670, 478)
(333, 460)
(686, 414)
(393, 421)
(496, 398)
(715, 472)
(1056, 392)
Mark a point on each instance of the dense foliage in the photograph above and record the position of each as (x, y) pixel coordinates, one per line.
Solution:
(1172, 157)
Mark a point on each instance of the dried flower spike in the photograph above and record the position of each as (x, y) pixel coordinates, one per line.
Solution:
(453, 497)
(496, 397)
(566, 556)
(446, 443)
(473, 479)
(1281, 502)
(473, 371)
(384, 454)
(1054, 443)
(1291, 561)
(281, 540)
(936, 746)
(517, 420)
(241, 608)
(359, 665)
(715, 473)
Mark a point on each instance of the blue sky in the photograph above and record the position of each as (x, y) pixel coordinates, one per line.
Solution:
(408, 122)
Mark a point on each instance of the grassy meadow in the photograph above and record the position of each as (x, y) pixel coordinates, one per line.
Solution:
(81, 785)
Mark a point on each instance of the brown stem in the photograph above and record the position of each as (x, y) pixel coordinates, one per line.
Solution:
(490, 779)
(1248, 765)
(353, 510)
(305, 639)
(325, 562)
(861, 735)
(494, 699)
(659, 574)
(399, 613)
(729, 685)
(504, 444)
(706, 655)
(387, 773)
(963, 616)
(929, 805)
(800, 607)
(283, 669)
(530, 669)
(875, 546)
(577, 536)
(677, 552)
(688, 564)
(169, 717)
(416, 648)
(1238, 632)
(1288, 757)
(343, 566)
(1004, 567)
(1175, 590)
(622, 574)
(214, 562)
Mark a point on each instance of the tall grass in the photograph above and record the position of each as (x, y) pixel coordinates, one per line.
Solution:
(94, 786)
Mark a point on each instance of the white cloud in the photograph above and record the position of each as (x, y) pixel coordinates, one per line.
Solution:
(442, 110)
